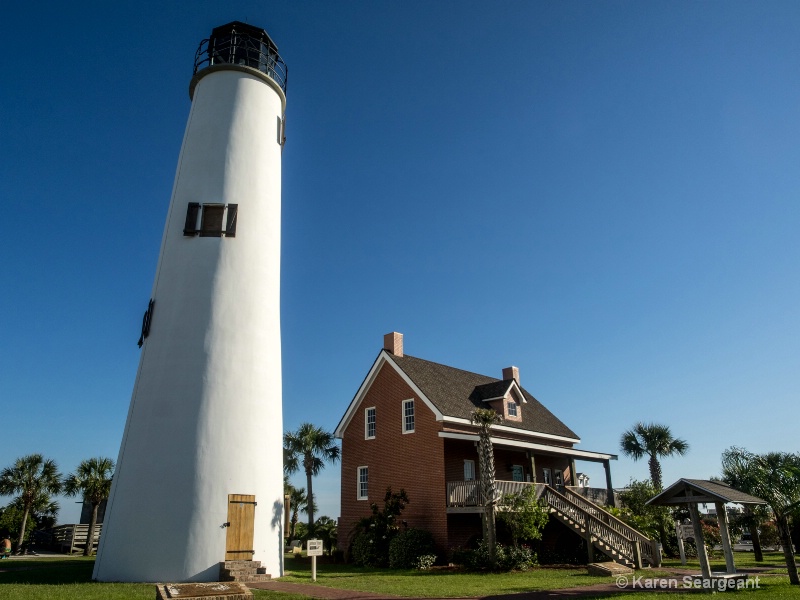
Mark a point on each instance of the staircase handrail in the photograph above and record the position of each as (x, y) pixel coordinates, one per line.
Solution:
(621, 526)
(622, 544)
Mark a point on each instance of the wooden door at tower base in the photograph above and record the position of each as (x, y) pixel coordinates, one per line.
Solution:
(241, 522)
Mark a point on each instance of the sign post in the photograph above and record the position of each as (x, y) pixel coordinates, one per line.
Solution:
(314, 549)
(684, 532)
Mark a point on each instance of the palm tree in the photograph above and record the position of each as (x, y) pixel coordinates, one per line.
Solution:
(311, 447)
(736, 475)
(298, 500)
(34, 479)
(775, 478)
(484, 418)
(655, 441)
(92, 479)
(325, 529)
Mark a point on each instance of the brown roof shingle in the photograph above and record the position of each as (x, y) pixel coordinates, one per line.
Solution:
(454, 394)
(715, 489)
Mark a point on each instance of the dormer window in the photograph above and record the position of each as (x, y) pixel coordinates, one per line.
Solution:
(512, 409)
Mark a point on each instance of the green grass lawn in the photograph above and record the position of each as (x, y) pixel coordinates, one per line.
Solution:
(446, 583)
(742, 560)
(437, 583)
(66, 578)
(69, 578)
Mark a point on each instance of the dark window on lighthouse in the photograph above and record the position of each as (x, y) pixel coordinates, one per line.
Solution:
(212, 217)
(211, 221)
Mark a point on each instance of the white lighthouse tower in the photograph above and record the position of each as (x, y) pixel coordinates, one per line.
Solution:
(199, 476)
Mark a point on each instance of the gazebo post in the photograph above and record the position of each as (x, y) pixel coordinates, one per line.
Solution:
(699, 541)
(722, 519)
(609, 488)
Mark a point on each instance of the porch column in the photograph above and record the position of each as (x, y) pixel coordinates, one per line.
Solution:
(722, 519)
(533, 467)
(705, 568)
(573, 472)
(609, 488)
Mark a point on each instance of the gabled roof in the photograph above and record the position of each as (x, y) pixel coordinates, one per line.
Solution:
(497, 390)
(702, 490)
(452, 391)
(452, 394)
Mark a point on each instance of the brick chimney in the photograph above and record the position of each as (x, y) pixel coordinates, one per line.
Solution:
(508, 373)
(393, 342)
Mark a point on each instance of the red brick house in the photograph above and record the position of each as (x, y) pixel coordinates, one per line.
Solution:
(408, 427)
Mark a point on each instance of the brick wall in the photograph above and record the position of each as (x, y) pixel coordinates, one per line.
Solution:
(552, 463)
(412, 461)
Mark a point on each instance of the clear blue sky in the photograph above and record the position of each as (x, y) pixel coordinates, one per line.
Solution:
(604, 194)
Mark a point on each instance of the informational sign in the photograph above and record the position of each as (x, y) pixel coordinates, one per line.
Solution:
(314, 547)
(685, 532)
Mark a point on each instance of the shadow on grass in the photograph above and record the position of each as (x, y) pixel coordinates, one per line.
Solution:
(49, 571)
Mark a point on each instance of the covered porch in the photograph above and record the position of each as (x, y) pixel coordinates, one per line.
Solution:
(518, 464)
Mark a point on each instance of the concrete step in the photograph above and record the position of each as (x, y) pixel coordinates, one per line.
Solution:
(234, 564)
(243, 571)
(248, 578)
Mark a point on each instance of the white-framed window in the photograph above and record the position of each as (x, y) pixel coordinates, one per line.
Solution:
(517, 473)
(363, 483)
(408, 416)
(547, 478)
(512, 409)
(369, 423)
(559, 477)
(469, 470)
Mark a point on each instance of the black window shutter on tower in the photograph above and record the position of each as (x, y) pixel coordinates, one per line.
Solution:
(190, 228)
(230, 225)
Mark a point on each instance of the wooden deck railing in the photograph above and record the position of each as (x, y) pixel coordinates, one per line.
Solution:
(468, 493)
(648, 548)
(74, 537)
(593, 527)
(596, 522)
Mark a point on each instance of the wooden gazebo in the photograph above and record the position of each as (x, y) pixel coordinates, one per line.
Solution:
(695, 491)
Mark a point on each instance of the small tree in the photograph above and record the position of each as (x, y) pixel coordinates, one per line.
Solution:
(775, 478)
(524, 515)
(298, 501)
(33, 479)
(325, 529)
(92, 480)
(11, 519)
(656, 522)
(484, 418)
(378, 529)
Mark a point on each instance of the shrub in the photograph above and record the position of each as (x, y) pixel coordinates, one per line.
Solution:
(407, 546)
(362, 550)
(508, 558)
(524, 515)
(380, 528)
(516, 558)
(424, 562)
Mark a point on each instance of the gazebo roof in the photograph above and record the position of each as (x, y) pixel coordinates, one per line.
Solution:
(701, 490)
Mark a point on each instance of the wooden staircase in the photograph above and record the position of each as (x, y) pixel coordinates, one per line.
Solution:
(243, 571)
(601, 530)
